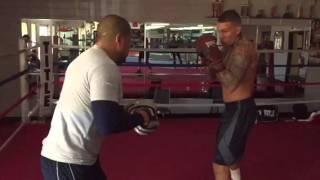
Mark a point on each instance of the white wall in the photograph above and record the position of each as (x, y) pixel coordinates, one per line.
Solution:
(189, 10)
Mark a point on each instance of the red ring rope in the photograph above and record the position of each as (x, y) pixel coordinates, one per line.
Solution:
(17, 103)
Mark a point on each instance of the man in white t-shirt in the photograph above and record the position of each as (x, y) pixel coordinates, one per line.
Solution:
(88, 108)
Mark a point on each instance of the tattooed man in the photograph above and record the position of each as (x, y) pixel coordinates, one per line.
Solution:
(235, 68)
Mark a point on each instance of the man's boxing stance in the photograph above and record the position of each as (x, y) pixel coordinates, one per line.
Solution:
(235, 68)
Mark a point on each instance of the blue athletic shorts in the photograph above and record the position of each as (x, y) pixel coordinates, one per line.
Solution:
(53, 170)
(238, 118)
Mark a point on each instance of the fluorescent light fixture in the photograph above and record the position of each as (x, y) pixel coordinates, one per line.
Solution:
(156, 25)
(198, 27)
(207, 32)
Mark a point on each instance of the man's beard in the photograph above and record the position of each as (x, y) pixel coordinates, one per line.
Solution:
(122, 59)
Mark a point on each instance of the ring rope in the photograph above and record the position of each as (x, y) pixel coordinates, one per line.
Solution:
(19, 52)
(17, 103)
(190, 50)
(12, 136)
(14, 76)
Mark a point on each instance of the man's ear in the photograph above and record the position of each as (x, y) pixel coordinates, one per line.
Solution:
(238, 30)
(118, 40)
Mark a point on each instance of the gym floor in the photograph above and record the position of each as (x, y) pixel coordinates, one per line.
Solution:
(181, 149)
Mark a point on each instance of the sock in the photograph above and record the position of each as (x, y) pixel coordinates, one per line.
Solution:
(235, 174)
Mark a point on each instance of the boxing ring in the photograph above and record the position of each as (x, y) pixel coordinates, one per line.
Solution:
(179, 89)
(187, 138)
(178, 86)
(184, 85)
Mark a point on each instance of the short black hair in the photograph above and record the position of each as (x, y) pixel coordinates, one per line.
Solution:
(230, 16)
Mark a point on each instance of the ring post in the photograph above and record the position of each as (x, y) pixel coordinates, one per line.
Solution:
(46, 76)
(23, 79)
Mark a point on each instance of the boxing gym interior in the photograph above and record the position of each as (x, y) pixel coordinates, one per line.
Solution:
(39, 39)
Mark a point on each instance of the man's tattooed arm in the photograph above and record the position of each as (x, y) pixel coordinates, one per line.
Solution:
(232, 76)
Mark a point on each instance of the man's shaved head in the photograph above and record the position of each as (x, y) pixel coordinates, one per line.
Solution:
(113, 36)
(110, 26)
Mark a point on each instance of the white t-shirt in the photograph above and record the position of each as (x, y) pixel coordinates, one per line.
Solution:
(73, 137)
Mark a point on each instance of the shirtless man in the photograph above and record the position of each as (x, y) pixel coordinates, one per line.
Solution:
(235, 69)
